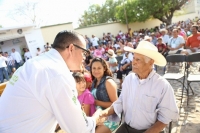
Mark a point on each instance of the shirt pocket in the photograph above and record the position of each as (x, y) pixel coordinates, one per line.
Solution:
(148, 103)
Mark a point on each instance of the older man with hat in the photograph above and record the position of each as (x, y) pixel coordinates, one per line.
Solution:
(147, 100)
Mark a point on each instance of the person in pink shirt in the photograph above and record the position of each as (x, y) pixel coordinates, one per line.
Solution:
(99, 52)
(85, 97)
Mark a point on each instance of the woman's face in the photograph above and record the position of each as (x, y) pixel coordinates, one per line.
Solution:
(97, 69)
(81, 86)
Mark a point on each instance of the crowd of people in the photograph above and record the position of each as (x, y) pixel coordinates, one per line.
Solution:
(10, 62)
(72, 84)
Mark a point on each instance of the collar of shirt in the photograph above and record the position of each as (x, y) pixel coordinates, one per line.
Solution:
(55, 55)
(148, 78)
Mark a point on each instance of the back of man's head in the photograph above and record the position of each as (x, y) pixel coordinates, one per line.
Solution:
(64, 38)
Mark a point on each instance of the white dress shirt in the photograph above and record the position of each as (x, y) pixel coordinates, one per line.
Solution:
(145, 101)
(41, 94)
(27, 56)
(16, 56)
(175, 42)
(165, 38)
(3, 61)
(94, 41)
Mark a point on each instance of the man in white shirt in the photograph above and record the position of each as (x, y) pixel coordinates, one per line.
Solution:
(176, 44)
(27, 54)
(17, 57)
(10, 63)
(3, 68)
(42, 93)
(39, 52)
(94, 40)
(147, 100)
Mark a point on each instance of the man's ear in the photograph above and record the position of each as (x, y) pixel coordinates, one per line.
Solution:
(71, 47)
(151, 62)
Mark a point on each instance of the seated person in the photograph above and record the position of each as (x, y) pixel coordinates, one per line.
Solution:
(84, 96)
(147, 100)
(176, 44)
(88, 60)
(193, 41)
(161, 47)
(112, 61)
(125, 66)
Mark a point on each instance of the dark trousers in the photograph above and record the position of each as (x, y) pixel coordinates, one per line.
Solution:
(124, 128)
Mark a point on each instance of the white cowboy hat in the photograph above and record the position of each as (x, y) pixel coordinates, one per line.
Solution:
(161, 30)
(110, 53)
(147, 38)
(148, 49)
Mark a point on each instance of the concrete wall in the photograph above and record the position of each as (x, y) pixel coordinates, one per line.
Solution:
(49, 32)
(114, 28)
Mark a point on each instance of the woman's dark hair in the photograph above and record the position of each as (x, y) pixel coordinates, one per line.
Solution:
(78, 76)
(107, 71)
(64, 38)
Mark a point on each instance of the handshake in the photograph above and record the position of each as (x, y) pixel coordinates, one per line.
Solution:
(101, 115)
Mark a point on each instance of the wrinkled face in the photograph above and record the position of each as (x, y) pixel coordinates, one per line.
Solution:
(139, 65)
(81, 86)
(97, 69)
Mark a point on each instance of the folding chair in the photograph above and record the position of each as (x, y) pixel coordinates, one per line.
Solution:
(192, 77)
(176, 58)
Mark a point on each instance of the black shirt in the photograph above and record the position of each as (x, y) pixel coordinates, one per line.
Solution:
(87, 59)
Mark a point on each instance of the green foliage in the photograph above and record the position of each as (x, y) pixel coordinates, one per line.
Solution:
(99, 14)
(142, 10)
(136, 11)
(0, 26)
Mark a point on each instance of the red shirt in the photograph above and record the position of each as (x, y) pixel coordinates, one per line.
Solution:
(161, 47)
(193, 41)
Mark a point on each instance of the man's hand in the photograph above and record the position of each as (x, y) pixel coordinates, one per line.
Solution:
(156, 128)
(99, 119)
(192, 49)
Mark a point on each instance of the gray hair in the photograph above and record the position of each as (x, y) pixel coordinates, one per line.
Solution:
(146, 59)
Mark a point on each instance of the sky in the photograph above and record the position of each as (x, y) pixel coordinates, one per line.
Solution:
(49, 11)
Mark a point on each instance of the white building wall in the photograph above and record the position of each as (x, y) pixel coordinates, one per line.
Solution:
(18, 44)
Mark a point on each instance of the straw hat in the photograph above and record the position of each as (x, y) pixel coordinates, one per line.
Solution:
(147, 38)
(148, 49)
(111, 53)
(161, 30)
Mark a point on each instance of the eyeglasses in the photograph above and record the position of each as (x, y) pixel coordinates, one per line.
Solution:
(84, 51)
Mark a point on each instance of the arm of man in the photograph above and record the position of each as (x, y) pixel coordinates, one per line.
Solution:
(182, 43)
(188, 45)
(156, 128)
(180, 46)
(167, 109)
(66, 108)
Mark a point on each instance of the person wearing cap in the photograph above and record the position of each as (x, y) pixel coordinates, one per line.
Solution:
(147, 100)
(42, 92)
(112, 61)
(165, 37)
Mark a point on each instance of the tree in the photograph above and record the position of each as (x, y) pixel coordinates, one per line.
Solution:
(99, 14)
(27, 12)
(142, 10)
